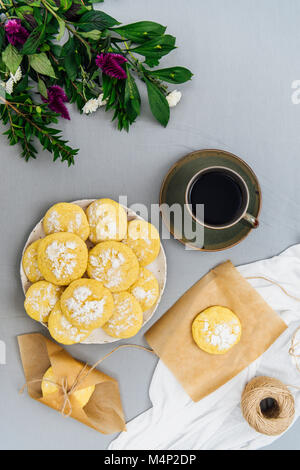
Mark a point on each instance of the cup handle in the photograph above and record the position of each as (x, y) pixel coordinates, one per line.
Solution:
(251, 220)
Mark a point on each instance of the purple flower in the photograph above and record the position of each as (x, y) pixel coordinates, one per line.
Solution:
(56, 100)
(111, 65)
(16, 33)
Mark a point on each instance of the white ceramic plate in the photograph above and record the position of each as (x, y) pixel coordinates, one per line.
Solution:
(158, 268)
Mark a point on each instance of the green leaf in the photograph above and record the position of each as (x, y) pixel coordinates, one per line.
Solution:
(156, 47)
(107, 84)
(132, 97)
(141, 31)
(62, 29)
(158, 103)
(172, 74)
(24, 10)
(95, 35)
(71, 66)
(22, 86)
(68, 48)
(41, 64)
(96, 20)
(36, 3)
(66, 4)
(69, 58)
(42, 88)
(56, 50)
(53, 5)
(33, 41)
(2, 37)
(12, 58)
(2, 91)
(152, 61)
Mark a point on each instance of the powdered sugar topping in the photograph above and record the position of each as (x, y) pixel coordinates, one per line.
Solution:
(75, 224)
(147, 296)
(223, 335)
(123, 318)
(53, 222)
(103, 218)
(83, 310)
(107, 267)
(63, 258)
(32, 264)
(70, 331)
(43, 299)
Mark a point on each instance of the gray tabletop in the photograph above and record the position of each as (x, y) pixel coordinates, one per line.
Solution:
(245, 56)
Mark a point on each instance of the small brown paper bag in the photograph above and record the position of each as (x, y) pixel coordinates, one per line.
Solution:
(104, 411)
(197, 371)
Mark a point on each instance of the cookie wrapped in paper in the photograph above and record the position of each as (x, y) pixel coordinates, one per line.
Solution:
(59, 381)
(177, 341)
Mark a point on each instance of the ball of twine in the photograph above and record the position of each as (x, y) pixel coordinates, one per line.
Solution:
(275, 420)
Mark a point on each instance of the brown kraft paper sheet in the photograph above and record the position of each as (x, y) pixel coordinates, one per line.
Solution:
(104, 411)
(197, 371)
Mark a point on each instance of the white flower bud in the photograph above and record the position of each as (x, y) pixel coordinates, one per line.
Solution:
(18, 75)
(173, 98)
(9, 86)
(91, 106)
(101, 101)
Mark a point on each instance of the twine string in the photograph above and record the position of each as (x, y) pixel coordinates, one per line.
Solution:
(83, 374)
(275, 284)
(294, 348)
(279, 417)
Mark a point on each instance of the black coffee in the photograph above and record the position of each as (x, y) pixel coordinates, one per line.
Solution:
(221, 195)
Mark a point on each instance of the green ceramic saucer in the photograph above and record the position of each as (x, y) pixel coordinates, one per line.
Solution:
(174, 188)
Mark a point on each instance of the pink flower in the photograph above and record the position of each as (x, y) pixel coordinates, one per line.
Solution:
(56, 100)
(111, 65)
(16, 33)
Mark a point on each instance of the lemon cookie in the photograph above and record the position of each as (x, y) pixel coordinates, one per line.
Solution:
(62, 258)
(127, 319)
(30, 263)
(217, 330)
(40, 299)
(65, 217)
(144, 240)
(145, 289)
(114, 264)
(108, 221)
(86, 303)
(62, 330)
(49, 385)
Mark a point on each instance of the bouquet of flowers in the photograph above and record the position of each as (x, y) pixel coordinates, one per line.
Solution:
(55, 52)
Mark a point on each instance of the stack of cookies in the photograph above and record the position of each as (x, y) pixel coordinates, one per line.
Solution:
(89, 272)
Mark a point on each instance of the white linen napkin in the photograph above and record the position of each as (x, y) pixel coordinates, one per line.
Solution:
(216, 423)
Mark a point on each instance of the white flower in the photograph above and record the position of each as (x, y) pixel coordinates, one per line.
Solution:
(91, 106)
(14, 78)
(173, 98)
(18, 75)
(101, 101)
(9, 86)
